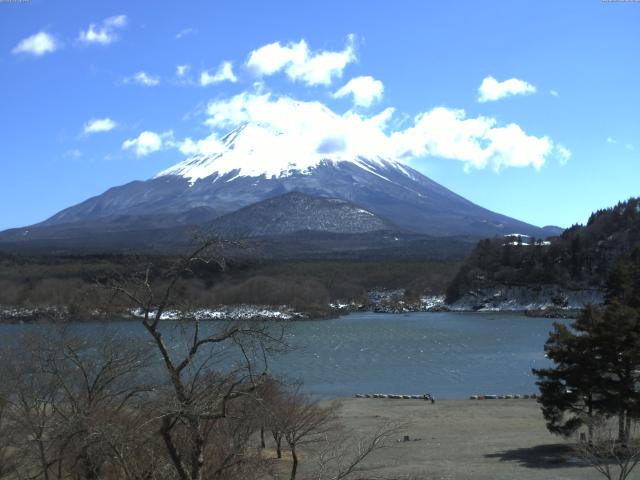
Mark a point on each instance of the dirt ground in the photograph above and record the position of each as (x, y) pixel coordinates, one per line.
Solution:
(465, 439)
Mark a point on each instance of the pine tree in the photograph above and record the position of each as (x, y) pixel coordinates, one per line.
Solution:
(568, 392)
(619, 364)
(597, 360)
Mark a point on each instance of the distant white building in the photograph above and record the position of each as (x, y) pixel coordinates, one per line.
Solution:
(520, 239)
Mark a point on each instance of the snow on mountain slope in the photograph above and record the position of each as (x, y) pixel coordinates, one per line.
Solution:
(255, 150)
(257, 162)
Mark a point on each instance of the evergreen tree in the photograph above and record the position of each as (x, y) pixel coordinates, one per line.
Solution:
(568, 392)
(581, 257)
(597, 360)
(623, 286)
(618, 337)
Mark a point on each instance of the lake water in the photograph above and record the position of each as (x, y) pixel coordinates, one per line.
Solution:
(450, 355)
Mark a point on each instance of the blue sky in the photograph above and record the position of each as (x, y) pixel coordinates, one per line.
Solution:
(553, 135)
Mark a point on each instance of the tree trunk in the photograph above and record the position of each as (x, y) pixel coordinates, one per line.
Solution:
(590, 425)
(278, 439)
(197, 448)
(174, 454)
(294, 465)
(621, 425)
(262, 443)
(43, 460)
(89, 468)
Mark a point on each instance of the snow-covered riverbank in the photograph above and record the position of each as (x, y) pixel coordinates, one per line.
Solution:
(546, 301)
(541, 298)
(10, 314)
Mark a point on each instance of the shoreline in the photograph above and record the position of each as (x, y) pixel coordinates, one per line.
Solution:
(57, 313)
(378, 301)
(52, 314)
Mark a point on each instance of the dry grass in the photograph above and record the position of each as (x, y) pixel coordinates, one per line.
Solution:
(465, 439)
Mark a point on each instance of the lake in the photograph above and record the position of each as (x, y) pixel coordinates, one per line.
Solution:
(450, 355)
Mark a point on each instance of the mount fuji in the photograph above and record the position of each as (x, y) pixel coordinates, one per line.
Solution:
(248, 180)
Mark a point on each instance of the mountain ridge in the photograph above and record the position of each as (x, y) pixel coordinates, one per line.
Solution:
(295, 212)
(243, 172)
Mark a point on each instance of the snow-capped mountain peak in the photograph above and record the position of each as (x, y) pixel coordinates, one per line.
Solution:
(257, 162)
(255, 150)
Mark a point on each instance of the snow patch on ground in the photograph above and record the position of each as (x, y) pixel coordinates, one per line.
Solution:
(240, 312)
(519, 298)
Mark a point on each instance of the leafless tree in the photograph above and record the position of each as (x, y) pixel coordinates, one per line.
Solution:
(7, 451)
(96, 383)
(67, 399)
(614, 459)
(186, 400)
(269, 405)
(204, 377)
(341, 456)
(29, 395)
(301, 421)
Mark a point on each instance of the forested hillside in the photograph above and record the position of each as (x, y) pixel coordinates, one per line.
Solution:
(73, 282)
(580, 258)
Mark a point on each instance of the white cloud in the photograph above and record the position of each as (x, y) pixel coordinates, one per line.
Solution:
(554, 93)
(207, 146)
(97, 125)
(223, 74)
(94, 35)
(143, 78)
(117, 21)
(564, 154)
(627, 146)
(478, 142)
(181, 70)
(148, 142)
(365, 90)
(293, 131)
(298, 131)
(37, 45)
(73, 153)
(491, 90)
(184, 32)
(273, 57)
(105, 33)
(300, 64)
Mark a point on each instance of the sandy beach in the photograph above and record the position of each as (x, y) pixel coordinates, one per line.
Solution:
(465, 439)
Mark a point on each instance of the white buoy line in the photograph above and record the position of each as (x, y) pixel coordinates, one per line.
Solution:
(429, 397)
(394, 396)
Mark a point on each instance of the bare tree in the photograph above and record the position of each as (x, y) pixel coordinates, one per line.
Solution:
(186, 400)
(7, 451)
(28, 395)
(201, 387)
(341, 456)
(269, 400)
(614, 459)
(302, 421)
(67, 398)
(96, 381)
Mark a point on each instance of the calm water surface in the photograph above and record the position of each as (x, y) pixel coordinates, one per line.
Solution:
(450, 355)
